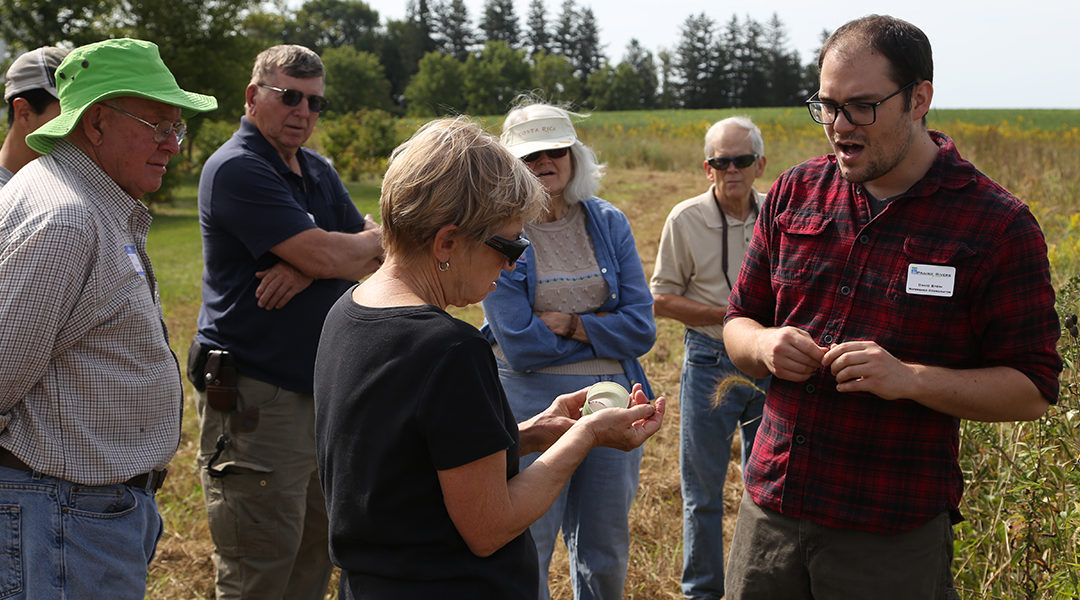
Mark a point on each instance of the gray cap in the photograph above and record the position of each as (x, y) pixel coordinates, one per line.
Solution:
(33, 70)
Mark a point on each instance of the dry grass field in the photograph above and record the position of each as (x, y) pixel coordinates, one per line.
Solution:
(1041, 166)
(183, 568)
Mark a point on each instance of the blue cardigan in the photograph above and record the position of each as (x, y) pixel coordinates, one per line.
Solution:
(628, 332)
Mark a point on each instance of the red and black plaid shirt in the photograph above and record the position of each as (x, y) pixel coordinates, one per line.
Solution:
(819, 262)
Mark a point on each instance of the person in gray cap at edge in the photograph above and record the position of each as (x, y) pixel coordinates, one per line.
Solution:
(30, 94)
(90, 393)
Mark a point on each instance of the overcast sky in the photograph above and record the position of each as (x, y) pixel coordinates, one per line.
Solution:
(987, 54)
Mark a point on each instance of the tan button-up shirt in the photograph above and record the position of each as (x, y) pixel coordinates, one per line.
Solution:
(89, 389)
(688, 261)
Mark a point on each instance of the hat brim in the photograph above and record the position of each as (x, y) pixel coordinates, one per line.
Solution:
(527, 148)
(44, 138)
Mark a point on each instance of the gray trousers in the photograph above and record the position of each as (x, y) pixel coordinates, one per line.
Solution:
(265, 505)
(774, 557)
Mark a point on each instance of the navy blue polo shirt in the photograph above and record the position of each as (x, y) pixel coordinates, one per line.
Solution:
(250, 201)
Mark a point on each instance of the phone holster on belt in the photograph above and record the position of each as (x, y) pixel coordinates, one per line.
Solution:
(220, 377)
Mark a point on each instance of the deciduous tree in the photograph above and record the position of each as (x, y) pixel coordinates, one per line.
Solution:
(437, 88)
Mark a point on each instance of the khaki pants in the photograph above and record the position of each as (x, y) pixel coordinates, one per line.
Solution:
(266, 509)
(774, 557)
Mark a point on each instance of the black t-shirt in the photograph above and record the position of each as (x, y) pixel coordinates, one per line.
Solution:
(399, 394)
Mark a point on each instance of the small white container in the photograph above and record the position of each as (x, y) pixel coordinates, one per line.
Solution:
(606, 394)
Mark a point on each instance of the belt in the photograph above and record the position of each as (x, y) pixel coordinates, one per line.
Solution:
(151, 481)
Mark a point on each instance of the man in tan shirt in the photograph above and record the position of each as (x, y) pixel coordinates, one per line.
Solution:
(701, 250)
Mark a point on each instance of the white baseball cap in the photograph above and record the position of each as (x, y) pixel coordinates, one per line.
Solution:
(542, 132)
(33, 70)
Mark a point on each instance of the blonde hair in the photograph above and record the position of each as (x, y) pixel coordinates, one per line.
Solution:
(587, 170)
(451, 172)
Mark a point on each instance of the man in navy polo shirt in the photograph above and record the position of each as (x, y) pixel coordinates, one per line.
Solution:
(282, 241)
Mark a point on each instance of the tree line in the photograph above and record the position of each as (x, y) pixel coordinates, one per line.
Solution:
(435, 60)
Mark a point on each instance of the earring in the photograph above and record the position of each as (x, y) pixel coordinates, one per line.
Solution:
(443, 266)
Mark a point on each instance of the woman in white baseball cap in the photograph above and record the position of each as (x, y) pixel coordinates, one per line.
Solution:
(575, 310)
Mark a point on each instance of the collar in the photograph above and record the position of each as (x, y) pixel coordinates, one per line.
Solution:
(256, 142)
(714, 220)
(112, 198)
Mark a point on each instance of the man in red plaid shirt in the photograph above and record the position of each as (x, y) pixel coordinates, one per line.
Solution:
(892, 289)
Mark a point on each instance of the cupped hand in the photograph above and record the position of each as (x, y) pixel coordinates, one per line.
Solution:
(627, 428)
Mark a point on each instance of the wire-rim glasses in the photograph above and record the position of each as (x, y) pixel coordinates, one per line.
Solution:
(162, 130)
(857, 113)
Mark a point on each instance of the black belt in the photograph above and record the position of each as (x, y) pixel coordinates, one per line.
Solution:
(151, 481)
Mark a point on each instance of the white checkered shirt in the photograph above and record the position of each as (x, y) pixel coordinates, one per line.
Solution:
(89, 388)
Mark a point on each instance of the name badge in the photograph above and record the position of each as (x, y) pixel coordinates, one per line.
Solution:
(134, 257)
(931, 280)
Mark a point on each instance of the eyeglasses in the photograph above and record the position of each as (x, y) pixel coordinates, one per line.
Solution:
(293, 97)
(162, 130)
(720, 163)
(552, 154)
(857, 113)
(511, 249)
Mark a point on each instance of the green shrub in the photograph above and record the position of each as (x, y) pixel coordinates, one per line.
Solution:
(358, 143)
(1022, 533)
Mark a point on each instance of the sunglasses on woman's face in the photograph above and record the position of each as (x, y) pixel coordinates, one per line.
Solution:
(552, 154)
(511, 249)
(720, 163)
(293, 97)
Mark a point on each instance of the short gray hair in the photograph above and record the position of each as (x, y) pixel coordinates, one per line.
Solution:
(290, 59)
(587, 170)
(757, 144)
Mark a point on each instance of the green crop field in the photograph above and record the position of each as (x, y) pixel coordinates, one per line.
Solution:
(1020, 539)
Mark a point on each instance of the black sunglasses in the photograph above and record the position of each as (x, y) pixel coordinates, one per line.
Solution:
(293, 97)
(720, 163)
(511, 249)
(552, 154)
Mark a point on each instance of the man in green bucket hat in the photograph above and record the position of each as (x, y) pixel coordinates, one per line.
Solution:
(90, 393)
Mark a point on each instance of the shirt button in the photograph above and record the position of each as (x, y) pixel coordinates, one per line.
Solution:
(845, 290)
(603, 270)
(613, 296)
(827, 338)
(810, 388)
(800, 439)
(864, 239)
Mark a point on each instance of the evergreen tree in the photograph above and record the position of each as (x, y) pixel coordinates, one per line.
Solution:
(537, 38)
(588, 55)
(566, 30)
(667, 95)
(783, 68)
(695, 62)
(499, 23)
(401, 49)
(453, 34)
(641, 61)
(419, 13)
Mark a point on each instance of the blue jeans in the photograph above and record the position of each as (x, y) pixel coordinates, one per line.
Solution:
(596, 533)
(705, 438)
(59, 539)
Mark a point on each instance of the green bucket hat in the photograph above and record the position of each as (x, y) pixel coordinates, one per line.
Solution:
(102, 70)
